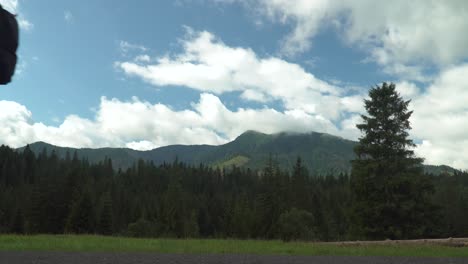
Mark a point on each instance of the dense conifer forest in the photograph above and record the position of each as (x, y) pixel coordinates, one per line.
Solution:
(45, 194)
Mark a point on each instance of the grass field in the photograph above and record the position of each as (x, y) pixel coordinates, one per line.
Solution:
(72, 243)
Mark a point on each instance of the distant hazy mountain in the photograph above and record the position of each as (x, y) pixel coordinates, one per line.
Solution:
(321, 153)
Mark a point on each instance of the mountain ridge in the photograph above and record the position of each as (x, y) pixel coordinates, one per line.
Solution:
(321, 153)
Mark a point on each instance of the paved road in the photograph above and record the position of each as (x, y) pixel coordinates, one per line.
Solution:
(131, 258)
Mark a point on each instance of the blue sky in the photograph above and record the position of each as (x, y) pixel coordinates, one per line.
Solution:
(69, 64)
(153, 73)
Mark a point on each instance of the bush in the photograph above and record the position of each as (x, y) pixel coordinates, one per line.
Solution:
(296, 224)
(142, 228)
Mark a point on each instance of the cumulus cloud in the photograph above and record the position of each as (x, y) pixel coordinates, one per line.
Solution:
(254, 95)
(16, 123)
(439, 122)
(408, 90)
(406, 38)
(10, 5)
(141, 125)
(402, 36)
(209, 65)
(25, 24)
(440, 118)
(141, 145)
(307, 15)
(13, 7)
(142, 58)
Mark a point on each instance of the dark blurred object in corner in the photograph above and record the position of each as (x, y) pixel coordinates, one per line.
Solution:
(8, 45)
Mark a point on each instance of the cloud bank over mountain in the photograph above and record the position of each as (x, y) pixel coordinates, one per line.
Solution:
(420, 45)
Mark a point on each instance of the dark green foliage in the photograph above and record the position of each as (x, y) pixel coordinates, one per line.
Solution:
(18, 223)
(452, 197)
(37, 216)
(272, 199)
(142, 228)
(391, 193)
(174, 199)
(191, 228)
(80, 220)
(297, 224)
(299, 186)
(242, 218)
(322, 153)
(105, 216)
(177, 218)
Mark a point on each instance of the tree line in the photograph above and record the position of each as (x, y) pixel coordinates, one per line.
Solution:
(45, 194)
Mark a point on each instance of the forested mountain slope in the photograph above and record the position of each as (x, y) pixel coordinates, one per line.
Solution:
(321, 153)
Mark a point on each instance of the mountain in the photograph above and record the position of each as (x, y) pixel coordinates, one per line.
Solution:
(321, 153)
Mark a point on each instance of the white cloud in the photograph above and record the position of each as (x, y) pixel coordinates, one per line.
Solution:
(447, 153)
(141, 145)
(10, 5)
(402, 36)
(439, 122)
(308, 16)
(254, 95)
(407, 39)
(142, 125)
(25, 24)
(408, 90)
(209, 65)
(15, 120)
(126, 47)
(13, 7)
(348, 127)
(440, 118)
(142, 58)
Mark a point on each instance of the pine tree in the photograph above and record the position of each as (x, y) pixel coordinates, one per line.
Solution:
(296, 224)
(105, 217)
(27, 168)
(174, 211)
(81, 215)
(271, 201)
(36, 213)
(299, 191)
(191, 228)
(391, 194)
(242, 217)
(18, 223)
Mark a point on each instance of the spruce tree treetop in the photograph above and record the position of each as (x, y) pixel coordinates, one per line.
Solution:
(386, 128)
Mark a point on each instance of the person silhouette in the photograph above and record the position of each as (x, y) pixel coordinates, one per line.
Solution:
(8, 45)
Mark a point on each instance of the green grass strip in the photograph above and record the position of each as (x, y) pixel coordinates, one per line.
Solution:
(89, 243)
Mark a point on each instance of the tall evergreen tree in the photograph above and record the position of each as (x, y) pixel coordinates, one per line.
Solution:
(270, 201)
(105, 216)
(18, 222)
(299, 191)
(391, 194)
(36, 213)
(242, 217)
(80, 220)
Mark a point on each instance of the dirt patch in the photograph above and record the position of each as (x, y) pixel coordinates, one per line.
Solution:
(450, 242)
